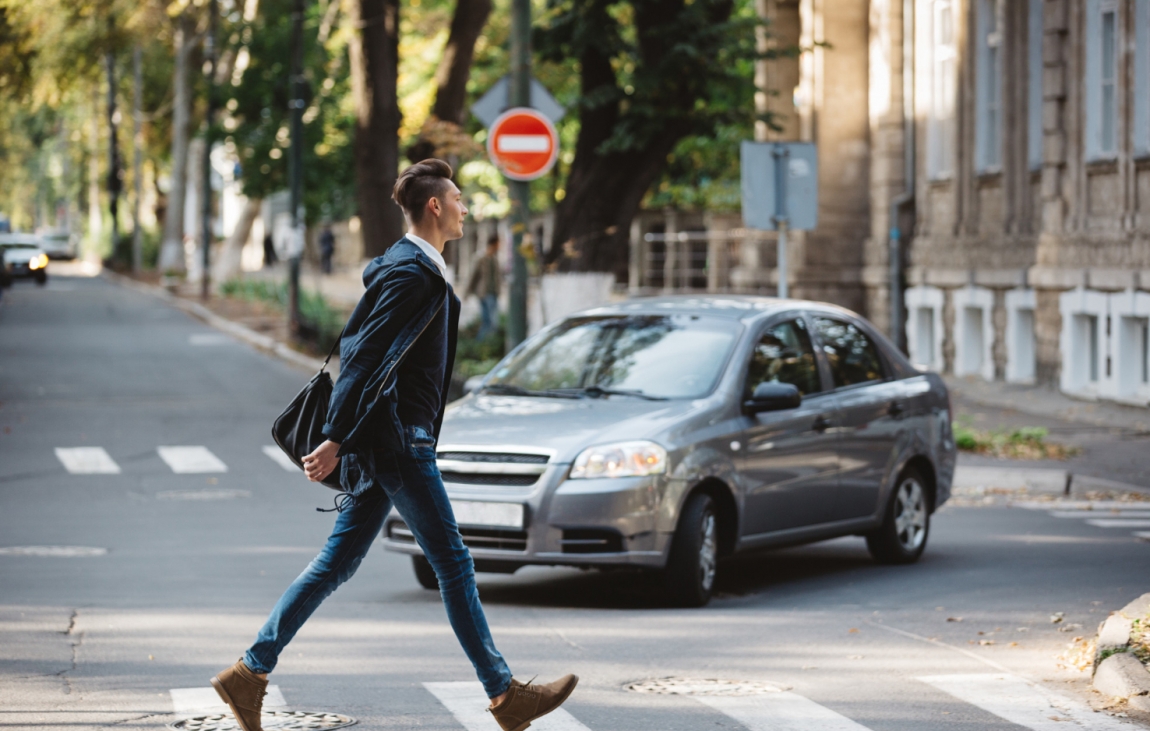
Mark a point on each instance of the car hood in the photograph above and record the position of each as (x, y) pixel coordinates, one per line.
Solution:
(567, 426)
(20, 256)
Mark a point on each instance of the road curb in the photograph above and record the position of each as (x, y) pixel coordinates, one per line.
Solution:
(1036, 479)
(260, 341)
(1117, 672)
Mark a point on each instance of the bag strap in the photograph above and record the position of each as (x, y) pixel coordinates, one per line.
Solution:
(331, 352)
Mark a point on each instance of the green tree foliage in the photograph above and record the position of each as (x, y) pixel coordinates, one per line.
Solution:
(258, 120)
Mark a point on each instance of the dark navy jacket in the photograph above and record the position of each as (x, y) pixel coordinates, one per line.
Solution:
(405, 293)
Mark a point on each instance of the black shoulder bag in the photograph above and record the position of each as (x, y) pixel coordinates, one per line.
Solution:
(299, 429)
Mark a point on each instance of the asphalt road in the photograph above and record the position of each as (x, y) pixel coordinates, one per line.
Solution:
(186, 566)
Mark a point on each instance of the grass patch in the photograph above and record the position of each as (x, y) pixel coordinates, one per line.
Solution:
(321, 323)
(1027, 442)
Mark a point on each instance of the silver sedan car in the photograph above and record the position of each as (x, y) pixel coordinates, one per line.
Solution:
(666, 433)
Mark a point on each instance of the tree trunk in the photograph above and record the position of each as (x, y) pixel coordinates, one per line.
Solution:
(172, 246)
(374, 53)
(455, 66)
(454, 70)
(228, 261)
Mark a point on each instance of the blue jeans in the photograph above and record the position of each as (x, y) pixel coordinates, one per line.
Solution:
(410, 481)
(489, 315)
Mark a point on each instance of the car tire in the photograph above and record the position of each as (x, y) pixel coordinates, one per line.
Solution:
(41, 279)
(689, 578)
(906, 522)
(424, 573)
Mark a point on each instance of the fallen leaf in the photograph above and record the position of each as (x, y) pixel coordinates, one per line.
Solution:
(1057, 617)
(853, 630)
(954, 619)
(986, 642)
(1013, 644)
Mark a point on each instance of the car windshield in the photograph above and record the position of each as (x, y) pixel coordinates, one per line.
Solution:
(646, 356)
(16, 245)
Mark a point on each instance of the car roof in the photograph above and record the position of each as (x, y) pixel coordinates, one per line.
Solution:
(747, 308)
(18, 238)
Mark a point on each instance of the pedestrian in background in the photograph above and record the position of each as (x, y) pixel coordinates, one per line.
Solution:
(396, 356)
(326, 248)
(484, 284)
(269, 250)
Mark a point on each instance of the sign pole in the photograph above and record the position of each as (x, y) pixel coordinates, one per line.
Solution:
(782, 154)
(520, 189)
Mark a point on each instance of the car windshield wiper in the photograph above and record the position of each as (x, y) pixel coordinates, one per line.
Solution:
(600, 392)
(507, 389)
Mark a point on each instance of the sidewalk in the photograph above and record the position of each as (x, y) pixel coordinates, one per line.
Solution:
(1114, 440)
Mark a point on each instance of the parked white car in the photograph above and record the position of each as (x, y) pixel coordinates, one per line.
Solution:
(58, 244)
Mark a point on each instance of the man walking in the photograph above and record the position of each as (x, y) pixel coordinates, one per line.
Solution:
(484, 284)
(326, 248)
(396, 356)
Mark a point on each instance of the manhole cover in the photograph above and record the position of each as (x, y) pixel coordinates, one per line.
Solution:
(285, 720)
(704, 686)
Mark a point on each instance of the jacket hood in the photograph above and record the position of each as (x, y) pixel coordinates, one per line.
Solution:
(567, 426)
(401, 251)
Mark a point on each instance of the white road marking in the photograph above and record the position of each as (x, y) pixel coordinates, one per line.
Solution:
(280, 458)
(523, 143)
(1097, 514)
(1143, 535)
(53, 551)
(468, 703)
(1119, 523)
(1094, 505)
(782, 711)
(202, 494)
(191, 460)
(208, 339)
(205, 701)
(87, 461)
(1028, 705)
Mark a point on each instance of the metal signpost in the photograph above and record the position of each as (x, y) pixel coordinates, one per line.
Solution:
(780, 192)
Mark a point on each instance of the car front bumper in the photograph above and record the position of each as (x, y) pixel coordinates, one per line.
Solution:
(600, 522)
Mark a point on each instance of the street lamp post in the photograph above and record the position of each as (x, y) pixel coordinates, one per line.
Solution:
(520, 189)
(295, 165)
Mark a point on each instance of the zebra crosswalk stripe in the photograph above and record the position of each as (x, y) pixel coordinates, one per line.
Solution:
(1119, 523)
(277, 455)
(468, 703)
(191, 460)
(1023, 703)
(205, 700)
(782, 711)
(87, 461)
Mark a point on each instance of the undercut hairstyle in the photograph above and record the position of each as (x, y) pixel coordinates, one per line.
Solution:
(418, 184)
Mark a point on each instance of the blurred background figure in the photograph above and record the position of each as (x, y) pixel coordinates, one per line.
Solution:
(269, 250)
(326, 248)
(484, 284)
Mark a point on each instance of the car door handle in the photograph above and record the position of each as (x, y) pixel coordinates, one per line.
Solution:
(895, 409)
(821, 424)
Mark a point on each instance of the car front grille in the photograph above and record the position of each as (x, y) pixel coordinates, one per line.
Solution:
(471, 466)
(486, 538)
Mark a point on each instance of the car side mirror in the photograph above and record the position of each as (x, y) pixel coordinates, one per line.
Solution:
(773, 397)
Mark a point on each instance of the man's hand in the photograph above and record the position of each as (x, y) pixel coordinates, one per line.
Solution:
(322, 462)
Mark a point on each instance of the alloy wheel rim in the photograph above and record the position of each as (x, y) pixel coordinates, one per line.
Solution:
(910, 515)
(708, 551)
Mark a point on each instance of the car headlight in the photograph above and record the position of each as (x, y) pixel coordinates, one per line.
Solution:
(38, 262)
(624, 459)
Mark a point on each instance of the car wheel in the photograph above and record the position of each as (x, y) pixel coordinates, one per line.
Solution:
(424, 573)
(902, 537)
(42, 279)
(690, 574)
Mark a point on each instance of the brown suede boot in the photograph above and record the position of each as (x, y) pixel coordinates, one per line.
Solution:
(526, 702)
(244, 693)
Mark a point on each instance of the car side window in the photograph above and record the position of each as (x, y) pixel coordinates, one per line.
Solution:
(784, 355)
(852, 356)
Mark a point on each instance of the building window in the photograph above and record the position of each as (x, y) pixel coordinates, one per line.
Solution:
(1141, 96)
(1102, 79)
(1034, 85)
(943, 70)
(989, 86)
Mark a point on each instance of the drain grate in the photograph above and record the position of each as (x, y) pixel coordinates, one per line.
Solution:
(704, 686)
(271, 721)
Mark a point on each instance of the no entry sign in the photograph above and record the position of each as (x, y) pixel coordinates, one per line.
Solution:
(523, 144)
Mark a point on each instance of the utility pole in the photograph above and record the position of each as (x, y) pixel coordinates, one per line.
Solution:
(782, 159)
(114, 182)
(520, 189)
(295, 165)
(137, 153)
(206, 197)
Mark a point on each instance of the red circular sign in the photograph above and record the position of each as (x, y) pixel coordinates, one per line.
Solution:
(523, 144)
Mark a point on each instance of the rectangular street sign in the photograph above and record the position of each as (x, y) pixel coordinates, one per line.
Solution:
(760, 176)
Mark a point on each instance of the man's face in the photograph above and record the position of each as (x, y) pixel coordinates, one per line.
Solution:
(451, 212)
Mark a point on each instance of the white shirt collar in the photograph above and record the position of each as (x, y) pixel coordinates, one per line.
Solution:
(428, 249)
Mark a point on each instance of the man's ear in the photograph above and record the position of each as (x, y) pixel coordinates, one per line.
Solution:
(433, 204)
